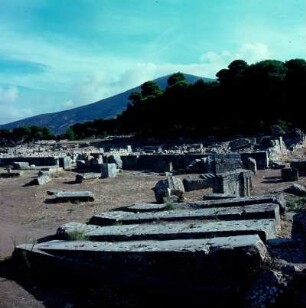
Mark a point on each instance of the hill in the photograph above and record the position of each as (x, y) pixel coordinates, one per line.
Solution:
(107, 108)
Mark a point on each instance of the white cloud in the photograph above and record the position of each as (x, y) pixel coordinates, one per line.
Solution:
(250, 52)
(10, 109)
(8, 95)
(253, 52)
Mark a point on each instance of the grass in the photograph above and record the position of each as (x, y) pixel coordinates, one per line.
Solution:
(77, 235)
(296, 205)
(169, 206)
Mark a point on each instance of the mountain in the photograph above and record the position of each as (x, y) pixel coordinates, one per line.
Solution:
(110, 107)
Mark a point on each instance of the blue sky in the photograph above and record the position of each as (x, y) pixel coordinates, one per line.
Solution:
(60, 54)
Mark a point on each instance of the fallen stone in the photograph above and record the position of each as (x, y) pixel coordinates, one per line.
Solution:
(79, 178)
(218, 196)
(154, 263)
(265, 228)
(21, 165)
(198, 182)
(257, 211)
(296, 189)
(40, 180)
(108, 170)
(242, 201)
(289, 174)
(168, 187)
(300, 165)
(63, 196)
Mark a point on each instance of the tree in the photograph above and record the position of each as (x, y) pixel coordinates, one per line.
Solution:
(150, 88)
(70, 134)
(176, 78)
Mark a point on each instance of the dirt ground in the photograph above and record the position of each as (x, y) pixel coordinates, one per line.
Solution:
(26, 215)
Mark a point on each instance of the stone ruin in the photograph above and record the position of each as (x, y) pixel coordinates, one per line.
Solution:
(212, 251)
(222, 251)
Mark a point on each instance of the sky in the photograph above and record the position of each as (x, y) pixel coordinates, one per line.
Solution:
(61, 54)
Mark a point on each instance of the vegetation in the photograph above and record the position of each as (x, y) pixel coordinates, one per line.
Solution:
(20, 135)
(245, 99)
(77, 235)
(296, 205)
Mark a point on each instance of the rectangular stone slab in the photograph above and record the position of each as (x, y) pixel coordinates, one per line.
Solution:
(278, 199)
(201, 268)
(186, 261)
(265, 228)
(257, 211)
(79, 178)
(74, 195)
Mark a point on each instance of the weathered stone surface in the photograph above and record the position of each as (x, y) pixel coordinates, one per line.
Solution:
(265, 228)
(224, 213)
(40, 180)
(109, 170)
(214, 202)
(79, 178)
(219, 163)
(261, 157)
(180, 261)
(289, 174)
(251, 165)
(277, 165)
(218, 196)
(115, 159)
(65, 162)
(31, 160)
(237, 183)
(240, 143)
(298, 230)
(198, 182)
(296, 189)
(300, 165)
(74, 196)
(269, 289)
(199, 165)
(21, 165)
(168, 187)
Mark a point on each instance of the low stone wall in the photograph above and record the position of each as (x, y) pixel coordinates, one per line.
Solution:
(37, 161)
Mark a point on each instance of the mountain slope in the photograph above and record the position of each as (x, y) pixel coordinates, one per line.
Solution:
(58, 122)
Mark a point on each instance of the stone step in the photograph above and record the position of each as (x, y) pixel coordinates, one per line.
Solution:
(278, 199)
(265, 228)
(187, 261)
(256, 211)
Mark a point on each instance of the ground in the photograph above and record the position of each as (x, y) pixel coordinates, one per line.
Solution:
(26, 214)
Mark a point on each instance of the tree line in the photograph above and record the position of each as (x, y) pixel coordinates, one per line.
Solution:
(244, 99)
(19, 135)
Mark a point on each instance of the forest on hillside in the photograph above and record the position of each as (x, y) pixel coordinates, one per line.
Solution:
(245, 99)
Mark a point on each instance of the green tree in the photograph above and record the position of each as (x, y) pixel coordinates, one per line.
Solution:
(70, 134)
(149, 89)
(176, 78)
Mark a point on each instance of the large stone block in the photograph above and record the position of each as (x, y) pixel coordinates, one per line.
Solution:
(109, 170)
(172, 186)
(265, 228)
